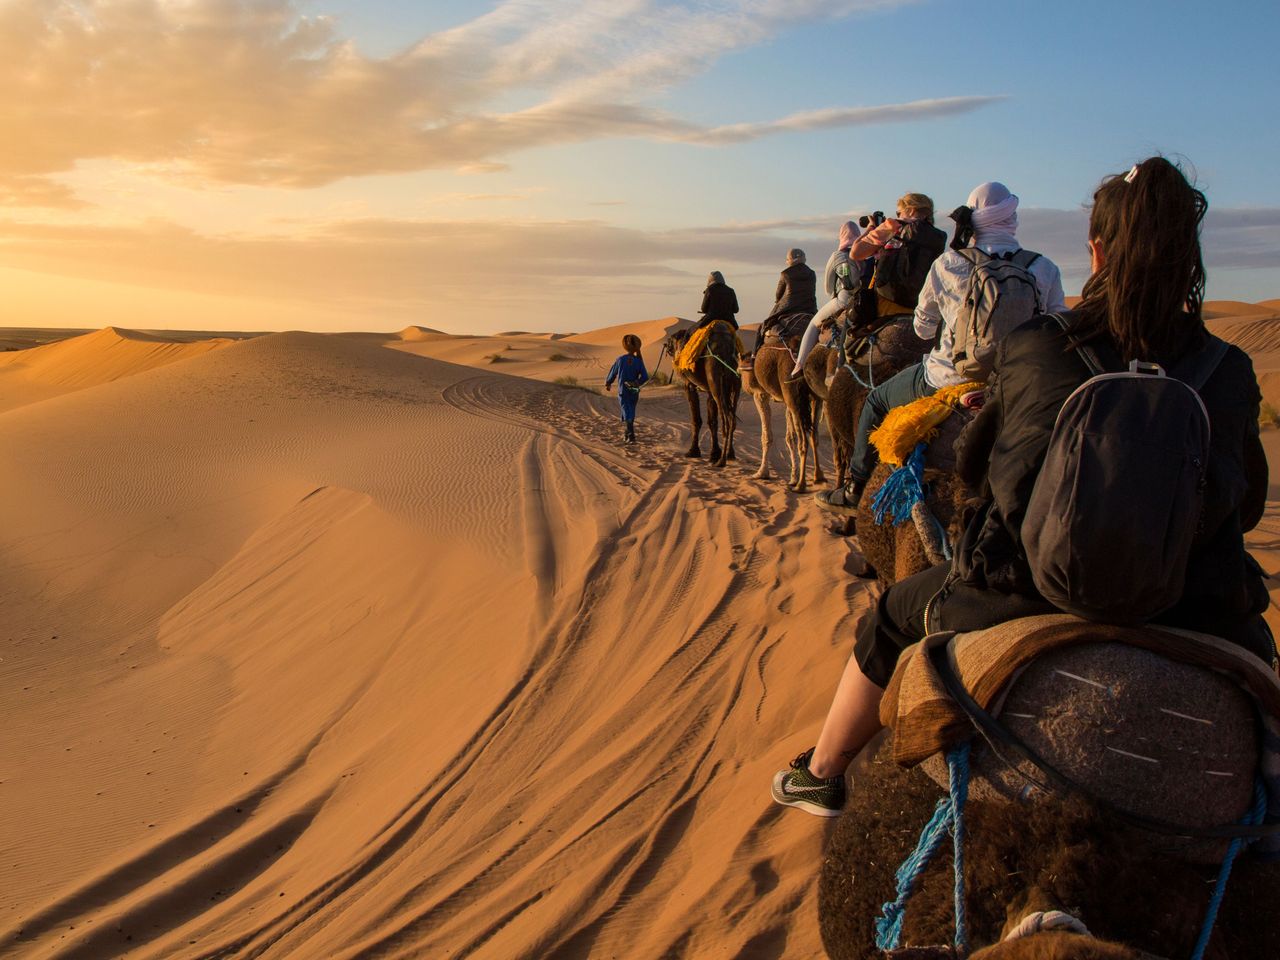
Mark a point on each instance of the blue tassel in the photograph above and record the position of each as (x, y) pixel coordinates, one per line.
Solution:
(902, 490)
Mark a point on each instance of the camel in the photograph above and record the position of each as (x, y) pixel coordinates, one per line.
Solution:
(1058, 853)
(874, 359)
(769, 381)
(716, 375)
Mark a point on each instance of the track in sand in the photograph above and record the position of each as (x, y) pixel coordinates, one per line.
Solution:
(316, 648)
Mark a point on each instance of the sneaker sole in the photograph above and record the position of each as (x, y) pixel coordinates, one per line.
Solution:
(806, 805)
(839, 510)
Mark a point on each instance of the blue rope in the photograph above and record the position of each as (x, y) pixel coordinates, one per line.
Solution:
(958, 767)
(871, 369)
(902, 490)
(949, 814)
(1253, 818)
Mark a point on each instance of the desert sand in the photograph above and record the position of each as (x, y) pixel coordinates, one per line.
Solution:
(371, 645)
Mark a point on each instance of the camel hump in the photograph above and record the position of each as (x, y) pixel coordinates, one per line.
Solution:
(1160, 724)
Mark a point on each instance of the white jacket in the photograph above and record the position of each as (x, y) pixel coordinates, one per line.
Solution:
(943, 296)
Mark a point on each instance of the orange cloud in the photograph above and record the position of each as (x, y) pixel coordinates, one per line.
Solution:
(254, 92)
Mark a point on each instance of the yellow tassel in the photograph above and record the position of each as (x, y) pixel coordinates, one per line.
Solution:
(692, 351)
(916, 422)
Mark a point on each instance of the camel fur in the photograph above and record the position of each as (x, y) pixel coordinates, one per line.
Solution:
(769, 382)
(1058, 852)
(837, 402)
(716, 375)
(896, 552)
(895, 348)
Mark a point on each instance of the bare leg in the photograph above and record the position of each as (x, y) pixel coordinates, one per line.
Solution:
(814, 330)
(852, 720)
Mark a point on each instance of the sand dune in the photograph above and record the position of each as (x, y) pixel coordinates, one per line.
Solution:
(319, 648)
(585, 357)
(87, 360)
(649, 332)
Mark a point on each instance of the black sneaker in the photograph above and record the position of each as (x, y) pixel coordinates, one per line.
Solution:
(842, 501)
(798, 787)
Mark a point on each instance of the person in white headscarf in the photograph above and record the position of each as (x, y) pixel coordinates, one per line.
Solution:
(988, 221)
(840, 282)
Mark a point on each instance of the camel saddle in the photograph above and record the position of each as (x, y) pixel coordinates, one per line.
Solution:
(787, 326)
(1159, 723)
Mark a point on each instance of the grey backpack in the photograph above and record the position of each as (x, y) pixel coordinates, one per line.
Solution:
(1117, 504)
(1002, 296)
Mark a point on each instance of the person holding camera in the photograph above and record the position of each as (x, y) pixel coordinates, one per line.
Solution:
(841, 281)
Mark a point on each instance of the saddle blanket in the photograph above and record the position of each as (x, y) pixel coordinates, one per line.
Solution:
(1136, 714)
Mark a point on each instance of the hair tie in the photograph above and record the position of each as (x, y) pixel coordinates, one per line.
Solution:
(963, 216)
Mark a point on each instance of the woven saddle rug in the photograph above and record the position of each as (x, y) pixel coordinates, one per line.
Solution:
(688, 356)
(1161, 722)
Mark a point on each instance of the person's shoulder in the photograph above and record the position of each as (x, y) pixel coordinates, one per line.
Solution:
(1036, 334)
(1041, 263)
(1235, 374)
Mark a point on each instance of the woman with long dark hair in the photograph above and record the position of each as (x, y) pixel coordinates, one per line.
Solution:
(1142, 302)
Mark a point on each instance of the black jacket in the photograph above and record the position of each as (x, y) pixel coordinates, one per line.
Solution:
(719, 302)
(1035, 372)
(797, 292)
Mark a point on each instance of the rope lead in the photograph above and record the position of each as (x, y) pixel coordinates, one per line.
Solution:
(948, 815)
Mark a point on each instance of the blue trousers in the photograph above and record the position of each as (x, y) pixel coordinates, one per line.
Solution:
(900, 389)
(627, 398)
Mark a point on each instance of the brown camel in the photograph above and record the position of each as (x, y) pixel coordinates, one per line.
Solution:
(874, 359)
(716, 374)
(768, 381)
(1021, 858)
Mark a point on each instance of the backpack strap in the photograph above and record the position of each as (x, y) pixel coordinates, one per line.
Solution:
(1025, 258)
(1087, 354)
(1196, 369)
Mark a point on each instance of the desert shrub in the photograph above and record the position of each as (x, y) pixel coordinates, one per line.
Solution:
(496, 358)
(660, 378)
(558, 357)
(1268, 416)
(573, 383)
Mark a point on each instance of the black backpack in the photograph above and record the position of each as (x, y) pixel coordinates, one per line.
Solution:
(1117, 504)
(902, 266)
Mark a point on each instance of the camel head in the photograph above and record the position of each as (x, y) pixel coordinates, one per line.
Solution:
(675, 342)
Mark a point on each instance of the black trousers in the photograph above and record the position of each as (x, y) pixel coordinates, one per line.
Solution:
(898, 620)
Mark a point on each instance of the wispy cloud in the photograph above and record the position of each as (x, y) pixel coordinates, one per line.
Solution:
(568, 274)
(256, 92)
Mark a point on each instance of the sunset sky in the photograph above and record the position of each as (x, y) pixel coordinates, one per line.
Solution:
(561, 165)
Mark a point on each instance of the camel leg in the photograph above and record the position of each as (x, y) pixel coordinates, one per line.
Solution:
(842, 453)
(713, 424)
(815, 421)
(766, 434)
(695, 420)
(728, 420)
(798, 451)
(730, 424)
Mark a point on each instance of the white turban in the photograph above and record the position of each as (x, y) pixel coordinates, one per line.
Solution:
(995, 213)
